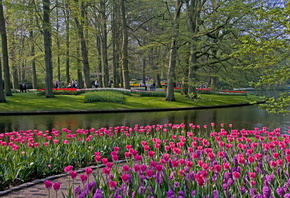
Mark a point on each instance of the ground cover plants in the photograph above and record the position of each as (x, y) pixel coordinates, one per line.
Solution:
(163, 160)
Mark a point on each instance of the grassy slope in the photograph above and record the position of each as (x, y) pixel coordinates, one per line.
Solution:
(20, 102)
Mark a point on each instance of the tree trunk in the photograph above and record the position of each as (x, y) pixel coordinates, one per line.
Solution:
(116, 42)
(106, 76)
(173, 54)
(67, 43)
(7, 83)
(33, 65)
(57, 43)
(144, 72)
(99, 68)
(2, 94)
(47, 48)
(84, 50)
(79, 70)
(125, 62)
(193, 15)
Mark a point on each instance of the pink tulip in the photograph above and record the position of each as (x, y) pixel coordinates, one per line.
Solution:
(48, 184)
(236, 175)
(149, 173)
(136, 168)
(88, 170)
(73, 174)
(151, 153)
(125, 177)
(126, 168)
(128, 147)
(105, 160)
(98, 158)
(253, 183)
(252, 175)
(84, 178)
(251, 159)
(226, 165)
(273, 164)
(56, 186)
(159, 168)
(217, 168)
(68, 169)
(112, 185)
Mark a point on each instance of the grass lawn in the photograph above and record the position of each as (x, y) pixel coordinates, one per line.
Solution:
(23, 102)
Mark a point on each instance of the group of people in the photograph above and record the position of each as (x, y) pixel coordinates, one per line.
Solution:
(73, 84)
(96, 83)
(23, 87)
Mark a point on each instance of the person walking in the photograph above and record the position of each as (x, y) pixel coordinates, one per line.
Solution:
(96, 84)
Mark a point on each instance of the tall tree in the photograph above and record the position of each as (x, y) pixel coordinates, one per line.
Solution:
(7, 83)
(104, 37)
(78, 13)
(67, 42)
(125, 58)
(47, 48)
(115, 42)
(173, 53)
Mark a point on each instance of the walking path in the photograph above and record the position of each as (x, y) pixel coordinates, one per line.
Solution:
(36, 188)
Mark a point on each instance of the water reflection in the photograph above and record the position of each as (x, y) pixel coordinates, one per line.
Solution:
(247, 117)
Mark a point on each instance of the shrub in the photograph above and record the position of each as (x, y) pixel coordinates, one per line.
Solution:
(104, 96)
(118, 90)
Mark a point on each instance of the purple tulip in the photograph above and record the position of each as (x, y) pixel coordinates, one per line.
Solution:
(181, 193)
(170, 193)
(259, 196)
(225, 186)
(98, 194)
(215, 194)
(253, 192)
(266, 191)
(243, 189)
(142, 190)
(280, 191)
(82, 195)
(77, 191)
(193, 193)
(287, 195)
(230, 182)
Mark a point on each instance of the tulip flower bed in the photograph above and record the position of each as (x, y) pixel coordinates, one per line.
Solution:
(246, 163)
(170, 160)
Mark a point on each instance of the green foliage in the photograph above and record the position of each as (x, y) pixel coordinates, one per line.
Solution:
(104, 96)
(277, 105)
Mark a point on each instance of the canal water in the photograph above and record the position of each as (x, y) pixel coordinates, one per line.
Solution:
(245, 117)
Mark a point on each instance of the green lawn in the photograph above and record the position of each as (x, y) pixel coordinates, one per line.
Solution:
(22, 102)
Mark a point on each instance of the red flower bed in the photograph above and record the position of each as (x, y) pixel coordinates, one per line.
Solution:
(61, 89)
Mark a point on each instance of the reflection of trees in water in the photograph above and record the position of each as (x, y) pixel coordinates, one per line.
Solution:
(246, 117)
